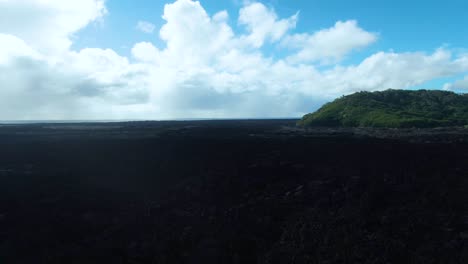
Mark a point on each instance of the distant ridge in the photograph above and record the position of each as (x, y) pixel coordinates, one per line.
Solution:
(392, 109)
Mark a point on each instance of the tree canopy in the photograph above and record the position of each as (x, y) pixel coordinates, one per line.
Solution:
(393, 108)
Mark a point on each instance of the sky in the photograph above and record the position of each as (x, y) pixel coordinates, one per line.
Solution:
(155, 60)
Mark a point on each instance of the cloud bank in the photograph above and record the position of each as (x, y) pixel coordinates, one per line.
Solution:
(208, 68)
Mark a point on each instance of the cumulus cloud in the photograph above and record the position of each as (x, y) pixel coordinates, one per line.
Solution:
(330, 44)
(393, 70)
(145, 51)
(12, 47)
(193, 38)
(48, 25)
(206, 68)
(263, 24)
(457, 85)
(145, 27)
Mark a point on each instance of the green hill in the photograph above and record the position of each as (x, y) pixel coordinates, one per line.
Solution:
(393, 108)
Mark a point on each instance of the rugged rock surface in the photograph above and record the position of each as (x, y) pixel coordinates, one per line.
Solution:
(232, 192)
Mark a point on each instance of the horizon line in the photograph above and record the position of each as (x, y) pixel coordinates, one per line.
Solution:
(71, 121)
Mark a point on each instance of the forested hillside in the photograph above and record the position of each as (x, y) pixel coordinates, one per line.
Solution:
(393, 108)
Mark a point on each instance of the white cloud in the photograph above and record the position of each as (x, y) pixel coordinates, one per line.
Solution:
(145, 27)
(146, 52)
(204, 70)
(13, 47)
(194, 38)
(47, 25)
(263, 24)
(330, 44)
(393, 70)
(221, 16)
(457, 85)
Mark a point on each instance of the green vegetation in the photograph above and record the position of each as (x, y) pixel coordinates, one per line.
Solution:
(393, 108)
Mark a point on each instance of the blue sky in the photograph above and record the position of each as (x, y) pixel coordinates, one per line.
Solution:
(90, 59)
(403, 25)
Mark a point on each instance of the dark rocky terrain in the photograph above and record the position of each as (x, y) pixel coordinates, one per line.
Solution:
(232, 192)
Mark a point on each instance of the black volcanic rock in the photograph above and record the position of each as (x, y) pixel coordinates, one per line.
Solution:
(232, 192)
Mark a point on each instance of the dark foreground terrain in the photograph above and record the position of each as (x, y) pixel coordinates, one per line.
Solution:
(232, 192)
